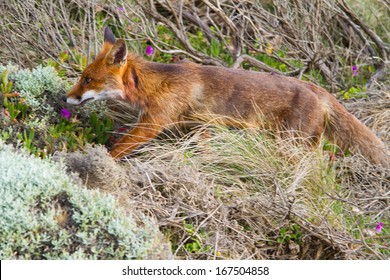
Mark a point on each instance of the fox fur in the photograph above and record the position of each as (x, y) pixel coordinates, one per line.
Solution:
(172, 93)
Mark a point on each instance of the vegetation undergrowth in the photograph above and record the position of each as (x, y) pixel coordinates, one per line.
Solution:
(241, 194)
(245, 195)
(45, 215)
(34, 115)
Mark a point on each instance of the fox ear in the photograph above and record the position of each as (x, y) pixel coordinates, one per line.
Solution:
(109, 36)
(118, 53)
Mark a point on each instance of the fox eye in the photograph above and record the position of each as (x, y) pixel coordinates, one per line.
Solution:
(87, 81)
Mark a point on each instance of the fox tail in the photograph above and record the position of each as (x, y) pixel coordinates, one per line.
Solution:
(346, 131)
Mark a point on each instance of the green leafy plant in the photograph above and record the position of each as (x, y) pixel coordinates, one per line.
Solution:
(15, 109)
(215, 48)
(101, 129)
(293, 233)
(70, 135)
(6, 85)
(194, 245)
(28, 138)
(355, 92)
(64, 135)
(81, 61)
(73, 58)
(62, 59)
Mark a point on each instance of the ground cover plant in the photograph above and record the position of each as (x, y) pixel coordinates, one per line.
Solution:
(241, 194)
(47, 216)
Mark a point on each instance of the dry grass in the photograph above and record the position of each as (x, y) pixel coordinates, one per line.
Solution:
(234, 198)
(287, 32)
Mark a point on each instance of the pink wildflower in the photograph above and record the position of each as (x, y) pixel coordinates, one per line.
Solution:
(149, 50)
(65, 113)
(379, 227)
(355, 70)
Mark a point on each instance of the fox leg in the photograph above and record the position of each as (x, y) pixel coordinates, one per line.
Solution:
(143, 133)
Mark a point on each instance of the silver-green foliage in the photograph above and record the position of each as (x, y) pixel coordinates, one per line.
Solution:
(12, 70)
(37, 84)
(44, 215)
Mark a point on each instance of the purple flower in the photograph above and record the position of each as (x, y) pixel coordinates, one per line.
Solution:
(121, 9)
(355, 71)
(65, 113)
(379, 227)
(149, 50)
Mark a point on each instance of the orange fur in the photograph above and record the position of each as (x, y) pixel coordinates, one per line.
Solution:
(172, 93)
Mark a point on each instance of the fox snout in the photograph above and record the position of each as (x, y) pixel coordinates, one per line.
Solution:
(92, 95)
(70, 100)
(87, 96)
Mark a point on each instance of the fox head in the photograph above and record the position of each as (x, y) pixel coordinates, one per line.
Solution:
(103, 78)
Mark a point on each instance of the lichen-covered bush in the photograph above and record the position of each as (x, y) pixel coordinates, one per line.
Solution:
(44, 215)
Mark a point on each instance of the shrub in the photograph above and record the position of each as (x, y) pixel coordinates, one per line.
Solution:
(12, 69)
(46, 216)
(31, 108)
(34, 85)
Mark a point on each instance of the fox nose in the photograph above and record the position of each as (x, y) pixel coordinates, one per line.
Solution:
(63, 98)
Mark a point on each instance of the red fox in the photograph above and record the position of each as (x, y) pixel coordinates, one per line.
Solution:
(172, 93)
